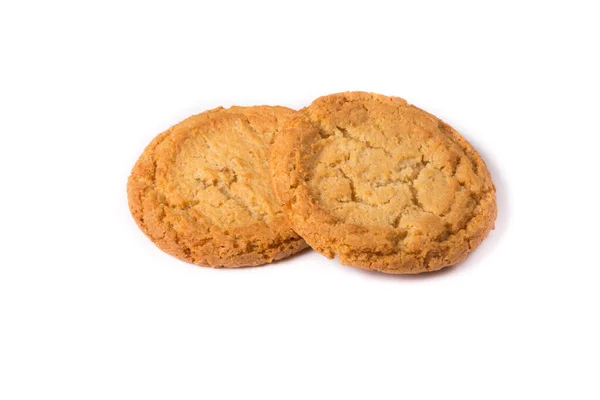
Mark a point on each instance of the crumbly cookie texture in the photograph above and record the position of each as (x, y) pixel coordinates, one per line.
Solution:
(201, 190)
(382, 184)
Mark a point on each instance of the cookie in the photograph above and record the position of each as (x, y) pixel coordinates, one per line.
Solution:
(382, 184)
(201, 190)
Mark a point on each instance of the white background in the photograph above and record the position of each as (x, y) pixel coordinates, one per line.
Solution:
(91, 309)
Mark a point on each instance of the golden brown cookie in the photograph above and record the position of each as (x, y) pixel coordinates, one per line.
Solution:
(201, 190)
(382, 184)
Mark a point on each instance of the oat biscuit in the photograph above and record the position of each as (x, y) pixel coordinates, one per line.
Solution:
(201, 190)
(382, 184)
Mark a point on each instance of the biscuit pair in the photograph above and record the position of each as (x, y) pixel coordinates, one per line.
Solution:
(380, 183)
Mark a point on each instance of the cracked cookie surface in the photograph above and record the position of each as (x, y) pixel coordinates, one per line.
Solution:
(382, 184)
(201, 190)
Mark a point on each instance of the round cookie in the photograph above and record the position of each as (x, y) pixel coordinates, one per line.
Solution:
(201, 190)
(382, 184)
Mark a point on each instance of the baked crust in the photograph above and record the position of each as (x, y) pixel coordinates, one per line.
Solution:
(382, 184)
(201, 190)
